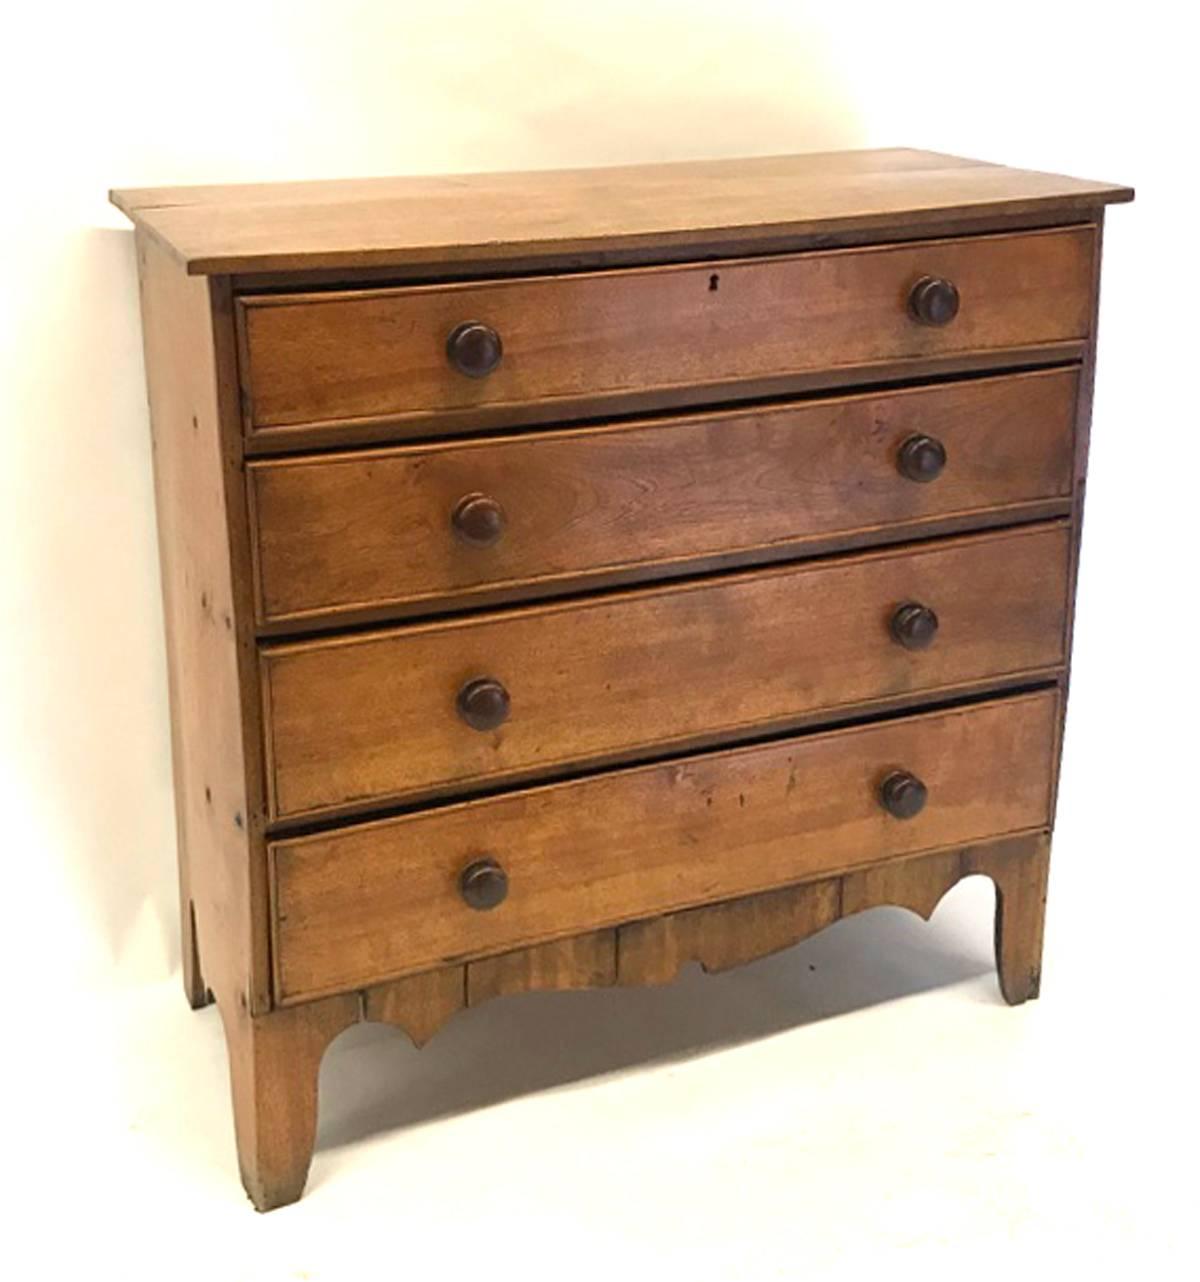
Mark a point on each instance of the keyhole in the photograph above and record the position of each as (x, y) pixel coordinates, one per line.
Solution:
(714, 282)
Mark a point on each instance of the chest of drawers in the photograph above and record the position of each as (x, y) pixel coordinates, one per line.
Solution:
(569, 576)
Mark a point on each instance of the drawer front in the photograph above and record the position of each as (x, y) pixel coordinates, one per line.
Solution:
(376, 717)
(377, 900)
(355, 533)
(572, 340)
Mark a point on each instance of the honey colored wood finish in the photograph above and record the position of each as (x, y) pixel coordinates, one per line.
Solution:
(735, 931)
(211, 667)
(373, 718)
(692, 207)
(273, 1063)
(365, 903)
(581, 961)
(420, 1004)
(359, 535)
(585, 340)
(276, 1058)
(811, 643)
(1021, 886)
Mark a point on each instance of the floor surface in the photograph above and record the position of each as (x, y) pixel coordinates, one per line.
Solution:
(865, 1096)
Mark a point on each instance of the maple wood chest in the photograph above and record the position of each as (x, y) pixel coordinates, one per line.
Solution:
(573, 575)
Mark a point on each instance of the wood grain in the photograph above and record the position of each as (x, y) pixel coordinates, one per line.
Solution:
(274, 1060)
(693, 206)
(639, 290)
(572, 341)
(419, 1004)
(736, 931)
(581, 961)
(211, 667)
(344, 434)
(720, 936)
(361, 904)
(370, 719)
(1021, 884)
(356, 535)
(1082, 435)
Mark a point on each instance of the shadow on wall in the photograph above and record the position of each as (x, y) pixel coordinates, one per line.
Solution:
(90, 654)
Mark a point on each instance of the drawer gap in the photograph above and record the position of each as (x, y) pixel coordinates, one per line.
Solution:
(846, 721)
(335, 626)
(259, 444)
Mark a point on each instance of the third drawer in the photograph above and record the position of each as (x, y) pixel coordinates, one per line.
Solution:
(430, 709)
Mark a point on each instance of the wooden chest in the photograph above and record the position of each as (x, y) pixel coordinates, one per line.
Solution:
(573, 575)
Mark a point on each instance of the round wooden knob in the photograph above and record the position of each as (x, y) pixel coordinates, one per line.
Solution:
(474, 349)
(921, 458)
(483, 884)
(478, 519)
(933, 301)
(483, 704)
(903, 795)
(914, 626)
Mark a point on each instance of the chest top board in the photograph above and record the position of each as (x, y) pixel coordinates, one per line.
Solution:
(572, 575)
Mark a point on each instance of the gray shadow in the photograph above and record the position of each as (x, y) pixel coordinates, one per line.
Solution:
(373, 1080)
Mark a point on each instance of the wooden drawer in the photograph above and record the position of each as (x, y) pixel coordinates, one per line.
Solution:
(362, 533)
(371, 718)
(377, 900)
(572, 342)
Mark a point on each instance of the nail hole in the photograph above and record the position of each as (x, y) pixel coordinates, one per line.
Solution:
(714, 282)
(237, 819)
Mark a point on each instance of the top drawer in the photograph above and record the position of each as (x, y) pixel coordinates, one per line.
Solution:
(644, 336)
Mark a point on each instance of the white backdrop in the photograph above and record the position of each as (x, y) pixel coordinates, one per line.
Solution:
(926, 1121)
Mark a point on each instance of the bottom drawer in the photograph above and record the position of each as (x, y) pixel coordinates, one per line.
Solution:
(373, 901)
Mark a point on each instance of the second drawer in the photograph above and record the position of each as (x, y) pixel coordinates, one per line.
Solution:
(355, 534)
(430, 709)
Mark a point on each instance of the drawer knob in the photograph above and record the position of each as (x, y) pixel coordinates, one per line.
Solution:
(922, 458)
(933, 300)
(478, 520)
(903, 795)
(483, 884)
(914, 626)
(483, 704)
(474, 349)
